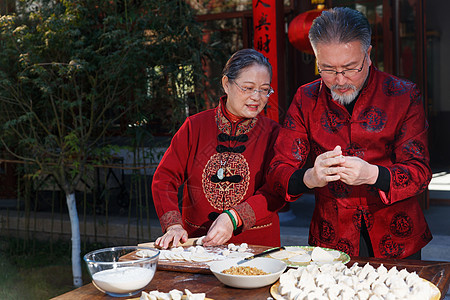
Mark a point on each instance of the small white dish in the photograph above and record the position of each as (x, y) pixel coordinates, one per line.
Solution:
(272, 266)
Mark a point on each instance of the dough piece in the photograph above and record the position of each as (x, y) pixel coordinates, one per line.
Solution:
(200, 249)
(186, 256)
(314, 295)
(160, 295)
(175, 294)
(286, 288)
(199, 241)
(306, 281)
(412, 279)
(381, 269)
(333, 291)
(145, 296)
(191, 296)
(363, 295)
(380, 289)
(177, 249)
(296, 250)
(393, 271)
(296, 293)
(177, 256)
(303, 258)
(336, 254)
(202, 257)
(145, 253)
(241, 249)
(325, 280)
(320, 255)
(163, 254)
(403, 273)
(287, 277)
(283, 254)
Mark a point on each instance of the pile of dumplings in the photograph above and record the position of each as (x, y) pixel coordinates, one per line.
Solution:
(298, 255)
(172, 295)
(338, 282)
(201, 254)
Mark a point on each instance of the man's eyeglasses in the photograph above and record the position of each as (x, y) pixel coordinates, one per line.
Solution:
(347, 73)
(265, 92)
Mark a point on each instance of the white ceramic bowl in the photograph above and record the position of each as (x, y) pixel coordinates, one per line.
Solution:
(272, 266)
(124, 277)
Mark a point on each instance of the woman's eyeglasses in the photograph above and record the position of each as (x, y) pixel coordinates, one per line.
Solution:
(265, 92)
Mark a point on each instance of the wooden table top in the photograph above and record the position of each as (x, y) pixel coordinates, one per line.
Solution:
(434, 271)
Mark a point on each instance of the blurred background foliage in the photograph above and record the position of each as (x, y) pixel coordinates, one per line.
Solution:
(81, 80)
(81, 70)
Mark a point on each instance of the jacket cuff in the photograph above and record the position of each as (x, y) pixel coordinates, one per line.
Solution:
(296, 185)
(170, 218)
(247, 215)
(384, 179)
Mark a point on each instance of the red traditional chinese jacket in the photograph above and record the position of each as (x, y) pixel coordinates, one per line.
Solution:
(387, 128)
(205, 143)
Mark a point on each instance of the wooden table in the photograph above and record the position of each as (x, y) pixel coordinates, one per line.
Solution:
(436, 272)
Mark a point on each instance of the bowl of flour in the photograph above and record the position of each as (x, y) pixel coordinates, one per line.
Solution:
(122, 271)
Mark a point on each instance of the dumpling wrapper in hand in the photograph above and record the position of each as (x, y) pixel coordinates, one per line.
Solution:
(320, 255)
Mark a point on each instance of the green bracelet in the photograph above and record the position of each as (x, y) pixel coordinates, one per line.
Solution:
(233, 220)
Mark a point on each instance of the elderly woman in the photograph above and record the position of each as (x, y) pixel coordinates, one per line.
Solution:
(221, 156)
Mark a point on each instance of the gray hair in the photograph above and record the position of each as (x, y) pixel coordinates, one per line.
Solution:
(242, 59)
(341, 25)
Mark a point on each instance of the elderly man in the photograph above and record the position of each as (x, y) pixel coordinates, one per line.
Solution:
(366, 134)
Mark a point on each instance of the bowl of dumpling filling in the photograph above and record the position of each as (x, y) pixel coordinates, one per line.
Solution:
(250, 274)
(122, 271)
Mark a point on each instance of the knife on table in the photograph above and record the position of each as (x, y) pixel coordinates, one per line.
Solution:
(261, 254)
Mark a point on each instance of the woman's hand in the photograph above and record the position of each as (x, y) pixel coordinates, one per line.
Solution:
(174, 235)
(220, 231)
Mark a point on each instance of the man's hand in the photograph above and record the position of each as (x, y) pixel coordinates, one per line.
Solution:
(174, 234)
(327, 168)
(357, 171)
(220, 231)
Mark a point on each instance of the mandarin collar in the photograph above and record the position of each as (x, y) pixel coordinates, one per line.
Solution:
(226, 126)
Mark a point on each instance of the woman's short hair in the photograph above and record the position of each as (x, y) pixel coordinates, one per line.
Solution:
(341, 25)
(242, 59)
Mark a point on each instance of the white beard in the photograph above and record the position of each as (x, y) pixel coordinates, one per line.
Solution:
(346, 98)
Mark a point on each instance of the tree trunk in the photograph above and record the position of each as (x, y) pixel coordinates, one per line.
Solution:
(75, 227)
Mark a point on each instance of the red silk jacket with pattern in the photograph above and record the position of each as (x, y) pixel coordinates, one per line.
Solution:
(205, 143)
(388, 127)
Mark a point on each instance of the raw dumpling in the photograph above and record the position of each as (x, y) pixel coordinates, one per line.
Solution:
(145, 296)
(283, 254)
(303, 258)
(296, 250)
(320, 255)
(199, 241)
(175, 294)
(191, 296)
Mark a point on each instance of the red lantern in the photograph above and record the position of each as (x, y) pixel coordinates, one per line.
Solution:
(299, 29)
